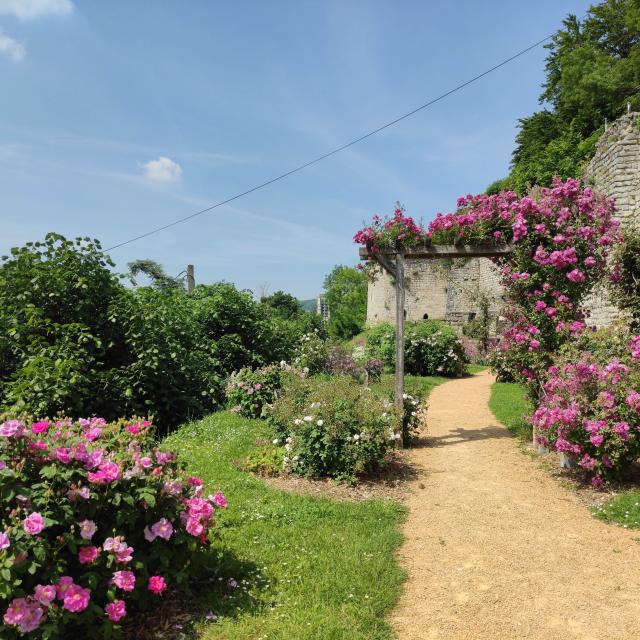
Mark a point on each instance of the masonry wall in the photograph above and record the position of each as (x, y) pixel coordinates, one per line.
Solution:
(615, 170)
(437, 289)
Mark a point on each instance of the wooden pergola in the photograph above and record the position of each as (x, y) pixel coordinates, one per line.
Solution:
(392, 261)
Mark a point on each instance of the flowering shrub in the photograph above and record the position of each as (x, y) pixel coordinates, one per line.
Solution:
(373, 368)
(311, 354)
(249, 392)
(591, 407)
(561, 238)
(431, 348)
(387, 233)
(95, 522)
(412, 412)
(341, 363)
(332, 428)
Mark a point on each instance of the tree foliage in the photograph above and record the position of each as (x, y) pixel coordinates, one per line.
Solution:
(592, 72)
(346, 295)
(73, 339)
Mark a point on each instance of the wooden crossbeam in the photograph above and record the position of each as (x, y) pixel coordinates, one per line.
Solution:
(443, 251)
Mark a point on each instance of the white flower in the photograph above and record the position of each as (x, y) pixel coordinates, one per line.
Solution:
(298, 421)
(308, 418)
(356, 437)
(413, 413)
(276, 441)
(405, 396)
(320, 423)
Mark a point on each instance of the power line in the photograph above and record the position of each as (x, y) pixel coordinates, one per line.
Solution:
(337, 150)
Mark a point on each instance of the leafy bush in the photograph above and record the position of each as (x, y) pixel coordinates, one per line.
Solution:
(626, 275)
(95, 522)
(332, 427)
(431, 348)
(342, 363)
(249, 392)
(74, 340)
(591, 406)
(373, 368)
(311, 355)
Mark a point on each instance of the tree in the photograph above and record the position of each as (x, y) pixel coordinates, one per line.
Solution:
(346, 294)
(159, 279)
(592, 72)
(284, 304)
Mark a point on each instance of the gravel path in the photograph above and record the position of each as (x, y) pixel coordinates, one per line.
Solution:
(497, 549)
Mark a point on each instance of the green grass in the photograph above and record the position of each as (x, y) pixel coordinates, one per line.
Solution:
(307, 568)
(417, 386)
(509, 405)
(475, 368)
(624, 510)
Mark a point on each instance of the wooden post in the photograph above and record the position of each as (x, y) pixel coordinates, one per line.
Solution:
(400, 337)
(191, 281)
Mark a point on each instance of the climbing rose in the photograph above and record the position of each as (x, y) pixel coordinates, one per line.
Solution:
(45, 594)
(219, 500)
(157, 585)
(4, 541)
(33, 524)
(87, 555)
(116, 610)
(125, 580)
(87, 529)
(76, 599)
(162, 529)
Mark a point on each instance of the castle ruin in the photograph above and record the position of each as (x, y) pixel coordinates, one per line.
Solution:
(451, 290)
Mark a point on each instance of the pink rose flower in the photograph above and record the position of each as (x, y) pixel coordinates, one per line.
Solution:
(124, 580)
(87, 529)
(40, 427)
(157, 584)
(64, 584)
(25, 615)
(87, 555)
(116, 610)
(11, 428)
(63, 455)
(4, 541)
(162, 529)
(194, 527)
(76, 599)
(45, 594)
(33, 524)
(219, 500)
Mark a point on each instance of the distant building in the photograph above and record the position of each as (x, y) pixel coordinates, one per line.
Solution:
(322, 308)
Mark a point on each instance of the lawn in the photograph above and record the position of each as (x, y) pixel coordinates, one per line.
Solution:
(624, 510)
(509, 405)
(306, 568)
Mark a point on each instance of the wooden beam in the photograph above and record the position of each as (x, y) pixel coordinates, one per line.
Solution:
(385, 262)
(399, 391)
(434, 252)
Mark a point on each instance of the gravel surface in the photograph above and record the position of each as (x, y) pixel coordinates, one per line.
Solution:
(495, 548)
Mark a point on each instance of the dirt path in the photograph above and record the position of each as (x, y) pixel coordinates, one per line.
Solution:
(497, 549)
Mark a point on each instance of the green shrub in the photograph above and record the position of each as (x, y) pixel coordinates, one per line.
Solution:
(332, 427)
(249, 392)
(431, 348)
(311, 354)
(74, 340)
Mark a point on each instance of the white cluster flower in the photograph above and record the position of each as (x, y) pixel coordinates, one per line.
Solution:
(276, 441)
(320, 423)
(308, 418)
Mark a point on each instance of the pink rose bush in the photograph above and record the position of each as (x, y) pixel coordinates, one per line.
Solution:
(561, 238)
(95, 522)
(591, 404)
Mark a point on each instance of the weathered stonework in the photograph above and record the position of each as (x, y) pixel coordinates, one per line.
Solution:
(451, 292)
(615, 170)
(438, 290)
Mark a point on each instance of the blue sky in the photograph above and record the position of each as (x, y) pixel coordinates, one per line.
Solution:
(120, 116)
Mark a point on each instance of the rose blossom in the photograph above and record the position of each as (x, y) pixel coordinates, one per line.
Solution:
(45, 594)
(4, 541)
(157, 584)
(162, 529)
(219, 500)
(116, 610)
(87, 555)
(76, 599)
(33, 524)
(125, 580)
(87, 529)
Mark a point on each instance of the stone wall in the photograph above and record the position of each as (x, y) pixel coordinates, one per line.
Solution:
(615, 170)
(438, 290)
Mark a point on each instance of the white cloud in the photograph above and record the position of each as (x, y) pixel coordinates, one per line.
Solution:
(11, 48)
(30, 9)
(162, 170)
